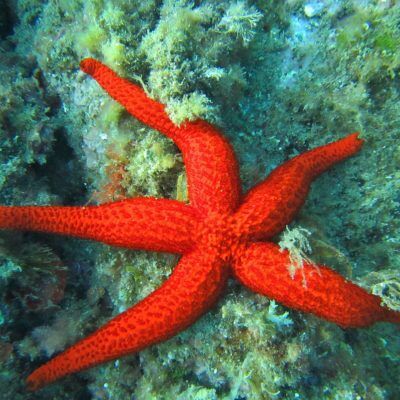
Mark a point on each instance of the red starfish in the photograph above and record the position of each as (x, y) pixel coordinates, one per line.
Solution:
(221, 233)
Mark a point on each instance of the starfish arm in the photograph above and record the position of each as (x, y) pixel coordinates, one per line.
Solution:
(211, 166)
(191, 290)
(271, 205)
(263, 268)
(141, 223)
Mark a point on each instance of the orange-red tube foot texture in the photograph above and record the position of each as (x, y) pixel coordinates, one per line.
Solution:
(218, 234)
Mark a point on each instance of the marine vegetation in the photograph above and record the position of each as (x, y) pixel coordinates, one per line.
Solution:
(277, 78)
(220, 233)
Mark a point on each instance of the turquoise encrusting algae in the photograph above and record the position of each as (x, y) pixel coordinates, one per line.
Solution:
(279, 77)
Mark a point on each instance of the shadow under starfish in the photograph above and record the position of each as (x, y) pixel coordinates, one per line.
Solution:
(221, 233)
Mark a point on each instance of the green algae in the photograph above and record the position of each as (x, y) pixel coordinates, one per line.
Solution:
(278, 82)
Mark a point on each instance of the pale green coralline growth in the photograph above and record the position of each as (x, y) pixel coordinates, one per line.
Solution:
(385, 284)
(150, 165)
(188, 107)
(90, 39)
(198, 393)
(240, 20)
(190, 48)
(133, 160)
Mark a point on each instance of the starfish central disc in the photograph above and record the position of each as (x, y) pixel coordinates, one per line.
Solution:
(221, 235)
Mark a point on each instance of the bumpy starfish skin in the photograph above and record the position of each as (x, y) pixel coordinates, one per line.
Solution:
(218, 235)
